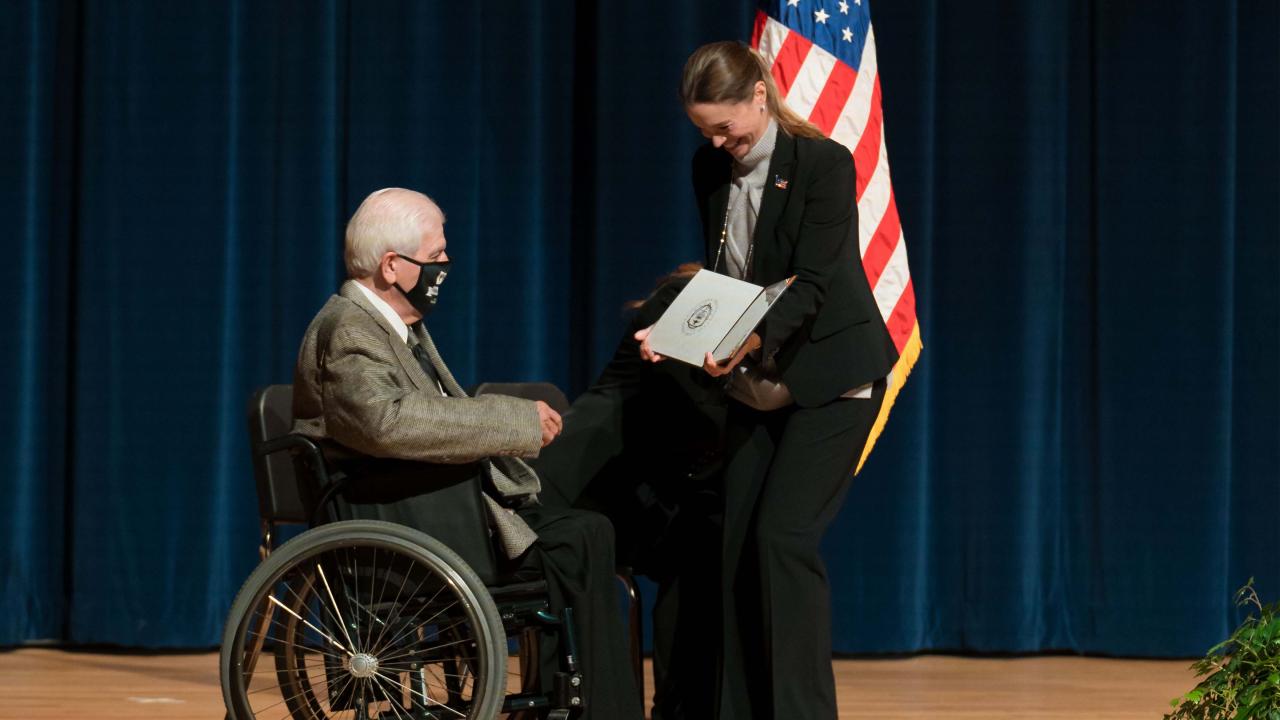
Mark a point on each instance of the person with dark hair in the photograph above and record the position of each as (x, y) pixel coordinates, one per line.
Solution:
(642, 446)
(776, 200)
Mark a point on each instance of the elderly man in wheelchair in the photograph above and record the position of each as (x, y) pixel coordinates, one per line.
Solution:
(430, 548)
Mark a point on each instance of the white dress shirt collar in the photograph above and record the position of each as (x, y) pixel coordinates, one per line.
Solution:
(391, 315)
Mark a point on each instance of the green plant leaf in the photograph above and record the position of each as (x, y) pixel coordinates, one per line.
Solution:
(1247, 712)
(1240, 676)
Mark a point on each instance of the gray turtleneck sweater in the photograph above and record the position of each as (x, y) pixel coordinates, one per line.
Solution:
(749, 175)
(749, 383)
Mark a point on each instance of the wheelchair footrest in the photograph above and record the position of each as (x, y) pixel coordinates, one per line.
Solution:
(565, 701)
(525, 702)
(518, 590)
(566, 695)
(520, 614)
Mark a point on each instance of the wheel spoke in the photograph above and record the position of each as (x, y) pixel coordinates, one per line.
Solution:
(430, 701)
(284, 700)
(319, 650)
(396, 703)
(376, 644)
(397, 614)
(416, 647)
(322, 633)
(336, 609)
(433, 647)
(373, 577)
(413, 625)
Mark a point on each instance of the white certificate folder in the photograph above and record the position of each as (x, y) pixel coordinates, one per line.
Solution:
(714, 313)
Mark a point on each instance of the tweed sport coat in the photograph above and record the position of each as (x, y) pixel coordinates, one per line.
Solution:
(358, 385)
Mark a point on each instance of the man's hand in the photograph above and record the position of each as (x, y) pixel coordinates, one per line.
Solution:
(715, 369)
(646, 352)
(551, 423)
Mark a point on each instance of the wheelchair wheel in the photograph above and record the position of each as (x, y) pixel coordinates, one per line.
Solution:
(363, 619)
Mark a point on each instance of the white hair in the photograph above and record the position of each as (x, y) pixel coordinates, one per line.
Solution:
(389, 220)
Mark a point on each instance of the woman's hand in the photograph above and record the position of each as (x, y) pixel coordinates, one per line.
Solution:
(715, 369)
(646, 352)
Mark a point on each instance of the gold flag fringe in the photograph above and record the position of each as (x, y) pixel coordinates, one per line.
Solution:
(897, 378)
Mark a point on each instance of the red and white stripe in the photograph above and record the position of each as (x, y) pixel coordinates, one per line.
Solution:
(845, 105)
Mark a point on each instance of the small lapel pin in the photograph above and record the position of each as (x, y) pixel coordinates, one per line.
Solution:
(779, 183)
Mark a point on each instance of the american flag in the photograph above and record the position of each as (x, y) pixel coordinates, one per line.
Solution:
(822, 54)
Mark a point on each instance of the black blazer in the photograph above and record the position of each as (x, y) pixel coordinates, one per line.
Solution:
(825, 333)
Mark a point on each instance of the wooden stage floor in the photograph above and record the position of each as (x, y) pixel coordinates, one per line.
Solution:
(40, 683)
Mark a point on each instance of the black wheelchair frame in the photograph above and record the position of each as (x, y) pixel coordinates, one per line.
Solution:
(364, 618)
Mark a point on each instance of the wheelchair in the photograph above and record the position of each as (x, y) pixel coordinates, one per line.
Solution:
(370, 619)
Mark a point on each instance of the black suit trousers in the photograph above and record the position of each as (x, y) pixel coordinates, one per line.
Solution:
(574, 552)
(786, 477)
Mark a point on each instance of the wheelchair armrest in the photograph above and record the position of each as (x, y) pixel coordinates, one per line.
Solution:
(544, 391)
(329, 484)
(293, 441)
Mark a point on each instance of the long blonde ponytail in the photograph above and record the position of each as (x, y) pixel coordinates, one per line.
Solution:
(727, 72)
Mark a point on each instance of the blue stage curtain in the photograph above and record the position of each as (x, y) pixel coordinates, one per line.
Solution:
(1086, 458)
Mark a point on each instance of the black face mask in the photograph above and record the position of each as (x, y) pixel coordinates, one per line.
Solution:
(423, 296)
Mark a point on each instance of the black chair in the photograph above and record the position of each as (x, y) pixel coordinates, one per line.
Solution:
(373, 617)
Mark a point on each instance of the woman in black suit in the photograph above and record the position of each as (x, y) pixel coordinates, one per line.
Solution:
(777, 201)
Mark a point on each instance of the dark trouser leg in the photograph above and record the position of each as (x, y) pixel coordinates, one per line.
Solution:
(786, 482)
(750, 444)
(575, 552)
(686, 617)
